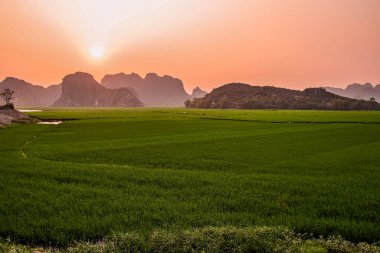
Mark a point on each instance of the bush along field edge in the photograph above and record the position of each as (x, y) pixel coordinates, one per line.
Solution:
(208, 239)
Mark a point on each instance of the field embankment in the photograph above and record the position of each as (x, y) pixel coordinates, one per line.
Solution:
(209, 239)
(9, 116)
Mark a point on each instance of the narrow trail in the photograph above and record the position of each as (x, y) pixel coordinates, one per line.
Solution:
(27, 142)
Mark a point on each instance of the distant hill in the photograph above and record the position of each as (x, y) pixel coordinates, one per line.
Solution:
(27, 94)
(358, 91)
(198, 93)
(81, 89)
(153, 90)
(244, 96)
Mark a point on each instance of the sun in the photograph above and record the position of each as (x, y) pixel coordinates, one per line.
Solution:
(97, 52)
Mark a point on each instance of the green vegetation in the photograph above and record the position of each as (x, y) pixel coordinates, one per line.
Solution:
(141, 170)
(209, 239)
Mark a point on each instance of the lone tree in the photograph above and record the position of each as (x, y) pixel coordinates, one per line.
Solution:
(7, 95)
(188, 103)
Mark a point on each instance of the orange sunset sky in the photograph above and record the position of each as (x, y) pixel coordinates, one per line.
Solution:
(287, 43)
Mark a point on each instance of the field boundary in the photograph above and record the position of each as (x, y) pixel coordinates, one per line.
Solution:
(295, 122)
(206, 239)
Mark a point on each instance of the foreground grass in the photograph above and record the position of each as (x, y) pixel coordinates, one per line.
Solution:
(140, 170)
(209, 239)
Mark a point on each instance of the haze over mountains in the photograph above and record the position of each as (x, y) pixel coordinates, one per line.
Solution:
(198, 93)
(27, 94)
(358, 91)
(131, 90)
(82, 90)
(153, 90)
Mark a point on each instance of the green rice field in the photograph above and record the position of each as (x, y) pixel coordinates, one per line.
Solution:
(136, 170)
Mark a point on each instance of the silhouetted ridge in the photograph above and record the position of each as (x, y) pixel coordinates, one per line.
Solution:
(153, 90)
(245, 96)
(27, 94)
(358, 91)
(81, 89)
(198, 93)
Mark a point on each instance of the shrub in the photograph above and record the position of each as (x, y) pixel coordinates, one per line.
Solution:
(210, 239)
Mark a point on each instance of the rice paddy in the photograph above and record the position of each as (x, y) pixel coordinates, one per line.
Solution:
(136, 170)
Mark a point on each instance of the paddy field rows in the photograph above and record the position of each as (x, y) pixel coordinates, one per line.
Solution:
(136, 170)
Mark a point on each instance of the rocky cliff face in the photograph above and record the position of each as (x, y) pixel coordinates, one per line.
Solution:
(9, 116)
(153, 90)
(81, 89)
(27, 94)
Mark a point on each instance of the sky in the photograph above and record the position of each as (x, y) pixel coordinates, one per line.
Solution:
(207, 43)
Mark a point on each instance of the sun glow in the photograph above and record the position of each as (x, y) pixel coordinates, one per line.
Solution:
(97, 52)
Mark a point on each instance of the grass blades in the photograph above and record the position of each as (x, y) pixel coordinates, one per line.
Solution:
(146, 169)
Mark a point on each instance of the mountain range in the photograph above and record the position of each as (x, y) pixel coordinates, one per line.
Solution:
(132, 90)
(153, 90)
(82, 90)
(358, 91)
(27, 94)
(244, 96)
